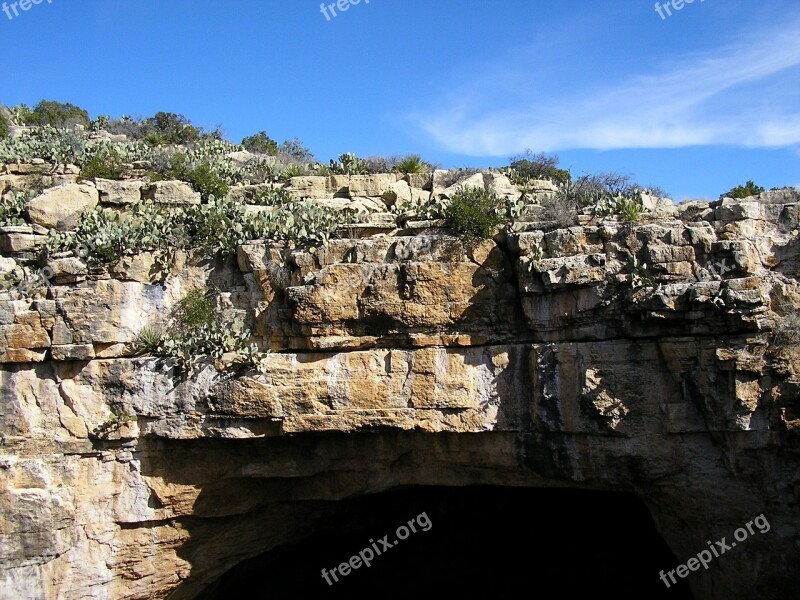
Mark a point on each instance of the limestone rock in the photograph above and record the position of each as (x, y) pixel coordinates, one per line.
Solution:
(658, 356)
(176, 193)
(309, 186)
(423, 181)
(502, 186)
(60, 208)
(371, 185)
(399, 192)
(473, 181)
(119, 192)
(20, 238)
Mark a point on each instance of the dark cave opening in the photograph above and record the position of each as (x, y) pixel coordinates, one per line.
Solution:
(470, 541)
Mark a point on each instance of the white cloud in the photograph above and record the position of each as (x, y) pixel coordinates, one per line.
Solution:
(747, 94)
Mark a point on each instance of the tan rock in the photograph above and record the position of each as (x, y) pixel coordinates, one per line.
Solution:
(399, 193)
(177, 193)
(423, 181)
(60, 208)
(119, 192)
(371, 185)
(309, 186)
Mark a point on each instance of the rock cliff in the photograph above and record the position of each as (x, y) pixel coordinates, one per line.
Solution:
(658, 357)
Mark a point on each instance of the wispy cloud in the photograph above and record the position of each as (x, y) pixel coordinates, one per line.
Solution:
(747, 94)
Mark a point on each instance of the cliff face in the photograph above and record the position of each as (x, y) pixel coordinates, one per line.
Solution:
(655, 357)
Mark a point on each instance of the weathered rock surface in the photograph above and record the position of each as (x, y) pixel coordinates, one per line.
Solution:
(61, 207)
(171, 192)
(119, 192)
(654, 358)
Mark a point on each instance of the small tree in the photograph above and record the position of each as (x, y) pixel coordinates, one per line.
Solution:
(474, 212)
(296, 150)
(169, 128)
(530, 166)
(57, 114)
(260, 143)
(745, 191)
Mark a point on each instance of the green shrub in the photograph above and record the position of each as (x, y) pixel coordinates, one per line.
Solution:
(260, 143)
(105, 164)
(630, 209)
(412, 163)
(57, 114)
(4, 128)
(202, 176)
(207, 182)
(169, 128)
(194, 310)
(745, 191)
(530, 167)
(195, 329)
(475, 212)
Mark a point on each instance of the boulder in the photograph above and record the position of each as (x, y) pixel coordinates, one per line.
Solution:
(371, 185)
(309, 186)
(60, 208)
(423, 181)
(241, 158)
(171, 192)
(339, 186)
(502, 186)
(398, 193)
(119, 192)
(473, 181)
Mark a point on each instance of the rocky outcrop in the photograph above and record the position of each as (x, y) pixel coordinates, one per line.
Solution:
(653, 357)
(60, 207)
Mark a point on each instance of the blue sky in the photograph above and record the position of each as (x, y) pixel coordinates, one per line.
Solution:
(696, 102)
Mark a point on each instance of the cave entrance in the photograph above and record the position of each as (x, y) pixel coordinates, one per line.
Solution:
(469, 542)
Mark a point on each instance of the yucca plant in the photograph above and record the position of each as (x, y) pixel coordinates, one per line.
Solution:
(148, 340)
(289, 171)
(412, 163)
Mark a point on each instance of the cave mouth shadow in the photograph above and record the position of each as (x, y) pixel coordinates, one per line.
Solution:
(480, 540)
